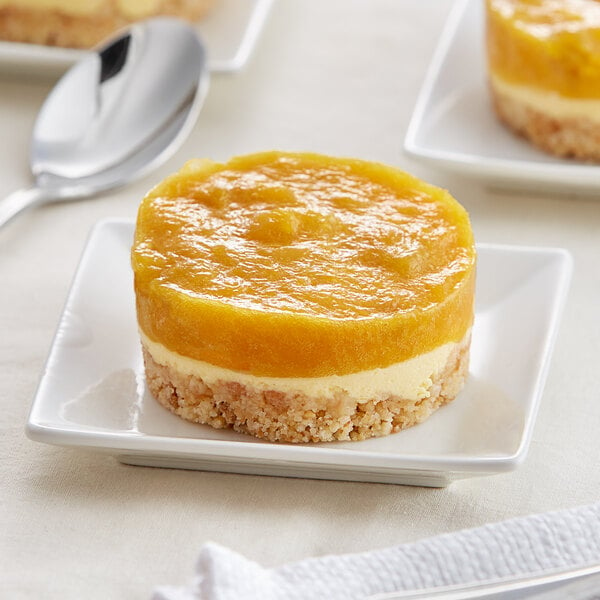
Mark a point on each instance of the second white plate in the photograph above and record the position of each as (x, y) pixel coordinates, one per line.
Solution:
(93, 394)
(454, 128)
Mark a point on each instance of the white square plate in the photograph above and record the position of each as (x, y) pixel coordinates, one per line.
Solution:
(229, 32)
(454, 127)
(92, 392)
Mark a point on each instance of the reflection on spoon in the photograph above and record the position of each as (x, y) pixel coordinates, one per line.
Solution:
(116, 114)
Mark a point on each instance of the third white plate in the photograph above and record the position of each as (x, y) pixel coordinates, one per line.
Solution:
(230, 32)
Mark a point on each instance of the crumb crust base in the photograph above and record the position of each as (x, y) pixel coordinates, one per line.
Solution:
(298, 418)
(568, 137)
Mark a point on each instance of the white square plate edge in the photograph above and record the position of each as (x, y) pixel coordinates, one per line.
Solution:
(341, 461)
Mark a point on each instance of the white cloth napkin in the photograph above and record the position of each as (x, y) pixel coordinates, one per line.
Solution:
(516, 547)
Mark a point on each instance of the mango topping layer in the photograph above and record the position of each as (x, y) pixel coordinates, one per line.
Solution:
(551, 44)
(301, 265)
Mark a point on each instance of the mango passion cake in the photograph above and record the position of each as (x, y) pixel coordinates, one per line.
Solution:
(303, 298)
(544, 72)
(84, 23)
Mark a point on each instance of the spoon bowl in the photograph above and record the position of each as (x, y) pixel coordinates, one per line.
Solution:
(119, 112)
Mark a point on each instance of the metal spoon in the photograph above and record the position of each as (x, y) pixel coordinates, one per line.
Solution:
(578, 583)
(116, 114)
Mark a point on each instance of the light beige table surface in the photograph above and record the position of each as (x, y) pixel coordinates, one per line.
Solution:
(334, 76)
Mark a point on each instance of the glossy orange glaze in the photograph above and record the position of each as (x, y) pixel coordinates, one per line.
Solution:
(298, 265)
(550, 44)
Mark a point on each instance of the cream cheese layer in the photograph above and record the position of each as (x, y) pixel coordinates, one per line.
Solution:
(410, 380)
(549, 103)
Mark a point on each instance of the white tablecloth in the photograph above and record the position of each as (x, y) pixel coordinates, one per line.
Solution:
(334, 76)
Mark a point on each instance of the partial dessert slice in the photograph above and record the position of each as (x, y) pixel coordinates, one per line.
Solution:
(544, 72)
(85, 23)
(299, 297)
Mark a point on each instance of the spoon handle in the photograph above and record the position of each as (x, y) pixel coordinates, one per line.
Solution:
(19, 200)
